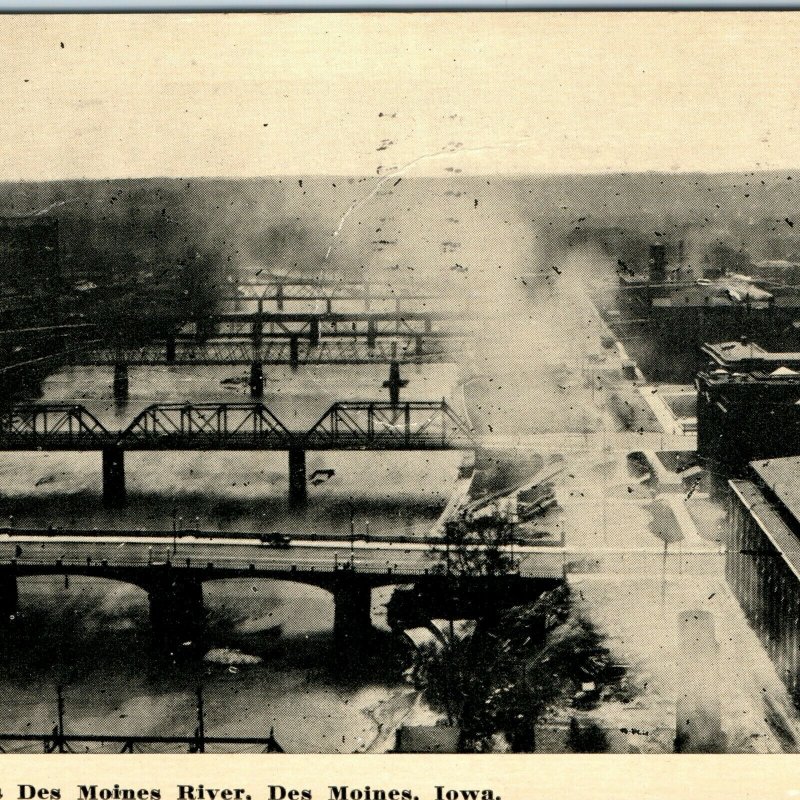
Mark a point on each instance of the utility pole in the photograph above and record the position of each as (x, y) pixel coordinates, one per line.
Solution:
(352, 533)
(60, 731)
(201, 725)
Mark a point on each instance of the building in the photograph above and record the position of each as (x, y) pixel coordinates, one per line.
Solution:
(746, 356)
(427, 739)
(762, 563)
(746, 416)
(672, 311)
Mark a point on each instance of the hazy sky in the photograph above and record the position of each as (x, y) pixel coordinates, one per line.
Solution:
(249, 95)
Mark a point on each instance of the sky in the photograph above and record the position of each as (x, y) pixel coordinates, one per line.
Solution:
(92, 96)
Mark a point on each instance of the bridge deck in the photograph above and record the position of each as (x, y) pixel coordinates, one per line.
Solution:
(224, 558)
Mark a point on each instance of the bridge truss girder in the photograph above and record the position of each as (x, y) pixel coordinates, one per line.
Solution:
(351, 425)
(230, 352)
(33, 427)
(411, 425)
(316, 325)
(208, 426)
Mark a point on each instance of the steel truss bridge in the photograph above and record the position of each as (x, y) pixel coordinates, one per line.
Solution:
(185, 351)
(330, 288)
(352, 425)
(313, 326)
(294, 339)
(411, 425)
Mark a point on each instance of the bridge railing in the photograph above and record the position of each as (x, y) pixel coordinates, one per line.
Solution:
(545, 565)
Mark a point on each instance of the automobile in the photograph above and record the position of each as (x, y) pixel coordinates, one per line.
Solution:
(275, 539)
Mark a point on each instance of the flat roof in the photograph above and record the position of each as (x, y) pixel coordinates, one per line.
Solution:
(733, 352)
(738, 351)
(774, 528)
(721, 377)
(782, 475)
(428, 739)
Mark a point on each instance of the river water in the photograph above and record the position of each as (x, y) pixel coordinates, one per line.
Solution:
(92, 635)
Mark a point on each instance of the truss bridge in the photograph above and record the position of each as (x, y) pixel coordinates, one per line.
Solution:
(357, 425)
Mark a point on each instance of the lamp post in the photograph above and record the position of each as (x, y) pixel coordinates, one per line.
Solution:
(352, 532)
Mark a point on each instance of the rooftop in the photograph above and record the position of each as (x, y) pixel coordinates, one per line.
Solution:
(729, 290)
(782, 476)
(779, 377)
(731, 352)
(768, 519)
(427, 739)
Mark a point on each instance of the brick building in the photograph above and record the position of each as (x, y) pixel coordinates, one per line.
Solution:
(746, 416)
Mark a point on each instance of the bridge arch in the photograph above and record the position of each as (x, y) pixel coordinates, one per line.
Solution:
(296, 605)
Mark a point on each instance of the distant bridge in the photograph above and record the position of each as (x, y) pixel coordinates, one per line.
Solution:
(595, 441)
(293, 351)
(352, 425)
(335, 289)
(256, 339)
(314, 325)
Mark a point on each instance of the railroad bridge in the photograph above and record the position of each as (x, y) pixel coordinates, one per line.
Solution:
(264, 338)
(338, 291)
(352, 425)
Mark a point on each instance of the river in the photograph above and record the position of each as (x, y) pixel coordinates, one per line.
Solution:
(91, 636)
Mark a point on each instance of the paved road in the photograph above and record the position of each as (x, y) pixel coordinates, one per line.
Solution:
(237, 554)
(326, 556)
(623, 442)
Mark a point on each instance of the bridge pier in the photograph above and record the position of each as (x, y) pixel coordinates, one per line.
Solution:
(294, 353)
(352, 621)
(177, 614)
(257, 380)
(114, 493)
(204, 327)
(313, 335)
(120, 385)
(258, 332)
(8, 595)
(371, 333)
(394, 384)
(298, 493)
(171, 349)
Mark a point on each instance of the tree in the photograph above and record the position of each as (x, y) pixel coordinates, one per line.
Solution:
(503, 676)
(476, 546)
(492, 681)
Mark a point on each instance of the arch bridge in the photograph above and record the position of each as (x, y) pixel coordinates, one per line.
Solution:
(173, 575)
